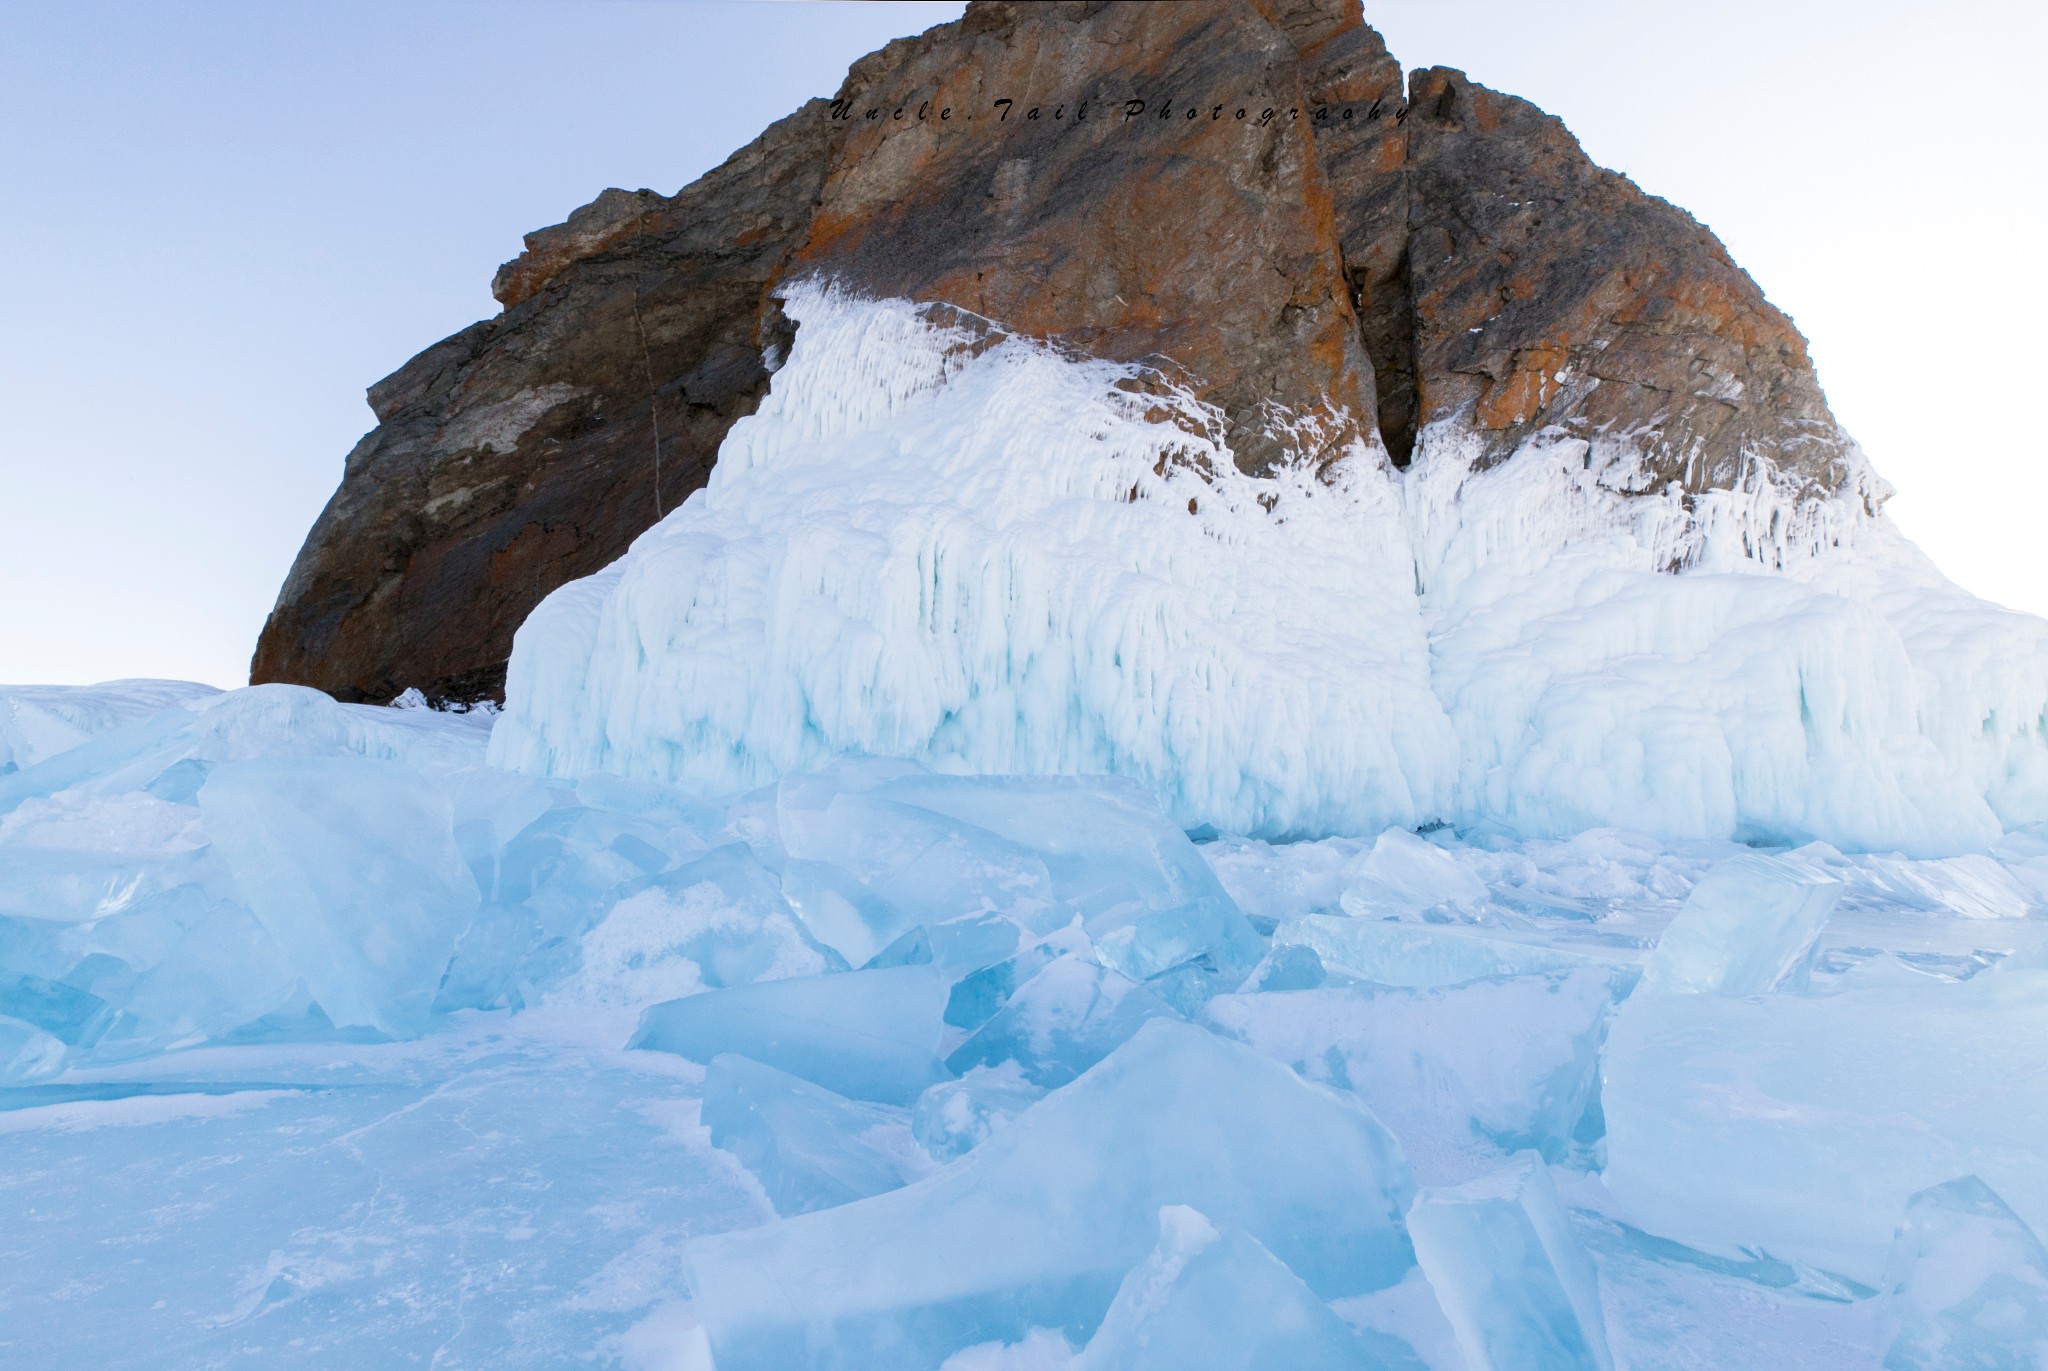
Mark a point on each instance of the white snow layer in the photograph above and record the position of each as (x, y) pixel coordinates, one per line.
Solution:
(939, 541)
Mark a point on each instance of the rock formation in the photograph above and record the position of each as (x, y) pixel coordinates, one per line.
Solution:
(1237, 191)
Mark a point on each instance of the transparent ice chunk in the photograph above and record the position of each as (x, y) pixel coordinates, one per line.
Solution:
(1749, 926)
(1211, 1299)
(808, 1147)
(1037, 1227)
(867, 1035)
(954, 1117)
(1519, 1291)
(1062, 1021)
(1405, 874)
(1389, 952)
(350, 865)
(1967, 1284)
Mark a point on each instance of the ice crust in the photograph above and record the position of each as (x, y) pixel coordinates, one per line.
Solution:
(301, 1005)
(946, 543)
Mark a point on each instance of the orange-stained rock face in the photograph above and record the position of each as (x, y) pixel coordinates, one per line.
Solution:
(1374, 260)
(1127, 233)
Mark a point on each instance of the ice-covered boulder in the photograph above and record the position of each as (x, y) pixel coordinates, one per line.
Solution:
(1050, 566)
(1519, 1290)
(1038, 1226)
(1218, 1300)
(1967, 1284)
(941, 541)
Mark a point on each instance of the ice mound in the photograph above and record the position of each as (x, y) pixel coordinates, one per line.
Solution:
(938, 541)
(1038, 1226)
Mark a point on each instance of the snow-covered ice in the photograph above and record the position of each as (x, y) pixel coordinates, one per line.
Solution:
(938, 541)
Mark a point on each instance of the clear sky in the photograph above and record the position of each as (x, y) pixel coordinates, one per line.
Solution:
(224, 220)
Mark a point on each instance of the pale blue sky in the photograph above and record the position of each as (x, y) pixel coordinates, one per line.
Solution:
(225, 220)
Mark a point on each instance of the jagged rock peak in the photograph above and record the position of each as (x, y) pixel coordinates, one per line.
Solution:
(1242, 188)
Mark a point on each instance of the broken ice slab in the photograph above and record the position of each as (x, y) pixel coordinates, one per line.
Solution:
(224, 973)
(1463, 1075)
(1749, 926)
(868, 867)
(1519, 1291)
(1219, 1300)
(1747, 1122)
(1147, 898)
(977, 996)
(1388, 952)
(38, 722)
(841, 912)
(1105, 841)
(1972, 886)
(798, 802)
(953, 1118)
(1038, 1226)
(1288, 966)
(266, 721)
(1404, 875)
(1967, 1284)
(1201, 948)
(867, 1035)
(27, 1053)
(717, 922)
(350, 865)
(1062, 1021)
(960, 947)
(808, 1147)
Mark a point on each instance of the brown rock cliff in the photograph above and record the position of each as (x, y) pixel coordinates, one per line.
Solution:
(1337, 252)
